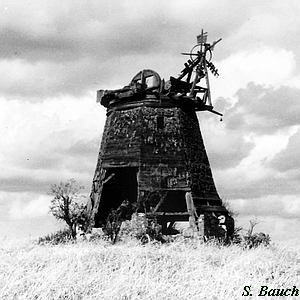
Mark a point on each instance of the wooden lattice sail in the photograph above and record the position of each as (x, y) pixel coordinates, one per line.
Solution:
(152, 152)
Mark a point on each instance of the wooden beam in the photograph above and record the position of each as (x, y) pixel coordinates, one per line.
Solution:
(199, 208)
(210, 208)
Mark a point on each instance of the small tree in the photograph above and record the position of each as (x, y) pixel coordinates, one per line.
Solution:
(68, 205)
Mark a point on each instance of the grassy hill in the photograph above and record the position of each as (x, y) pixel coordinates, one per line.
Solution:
(181, 270)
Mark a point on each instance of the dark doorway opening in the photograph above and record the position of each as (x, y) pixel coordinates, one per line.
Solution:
(121, 186)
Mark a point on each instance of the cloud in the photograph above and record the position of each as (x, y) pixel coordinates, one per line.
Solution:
(67, 49)
(54, 48)
(225, 149)
(35, 208)
(265, 66)
(45, 79)
(264, 110)
(49, 141)
(39, 182)
(255, 181)
(25, 205)
(287, 206)
(288, 159)
(253, 176)
(21, 44)
(255, 128)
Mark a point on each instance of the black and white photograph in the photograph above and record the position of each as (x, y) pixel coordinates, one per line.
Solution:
(149, 149)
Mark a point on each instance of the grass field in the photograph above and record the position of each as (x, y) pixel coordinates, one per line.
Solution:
(181, 270)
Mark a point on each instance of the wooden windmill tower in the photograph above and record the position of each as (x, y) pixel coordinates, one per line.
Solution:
(152, 152)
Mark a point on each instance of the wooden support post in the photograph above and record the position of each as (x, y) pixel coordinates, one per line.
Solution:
(97, 196)
(200, 225)
(192, 213)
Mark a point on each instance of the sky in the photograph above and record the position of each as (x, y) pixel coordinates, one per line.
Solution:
(55, 55)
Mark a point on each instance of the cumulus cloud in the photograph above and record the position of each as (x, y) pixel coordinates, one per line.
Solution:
(264, 110)
(33, 209)
(259, 118)
(287, 206)
(288, 159)
(253, 176)
(50, 141)
(24, 205)
(25, 214)
(225, 149)
(67, 48)
(266, 66)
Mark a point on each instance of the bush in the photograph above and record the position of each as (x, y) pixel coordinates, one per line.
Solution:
(63, 236)
(257, 239)
(151, 232)
(250, 239)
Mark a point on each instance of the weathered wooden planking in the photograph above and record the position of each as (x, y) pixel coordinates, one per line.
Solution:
(165, 147)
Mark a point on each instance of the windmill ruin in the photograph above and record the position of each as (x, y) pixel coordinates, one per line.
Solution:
(152, 153)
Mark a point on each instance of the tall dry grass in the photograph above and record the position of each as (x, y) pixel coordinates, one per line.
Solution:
(179, 270)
